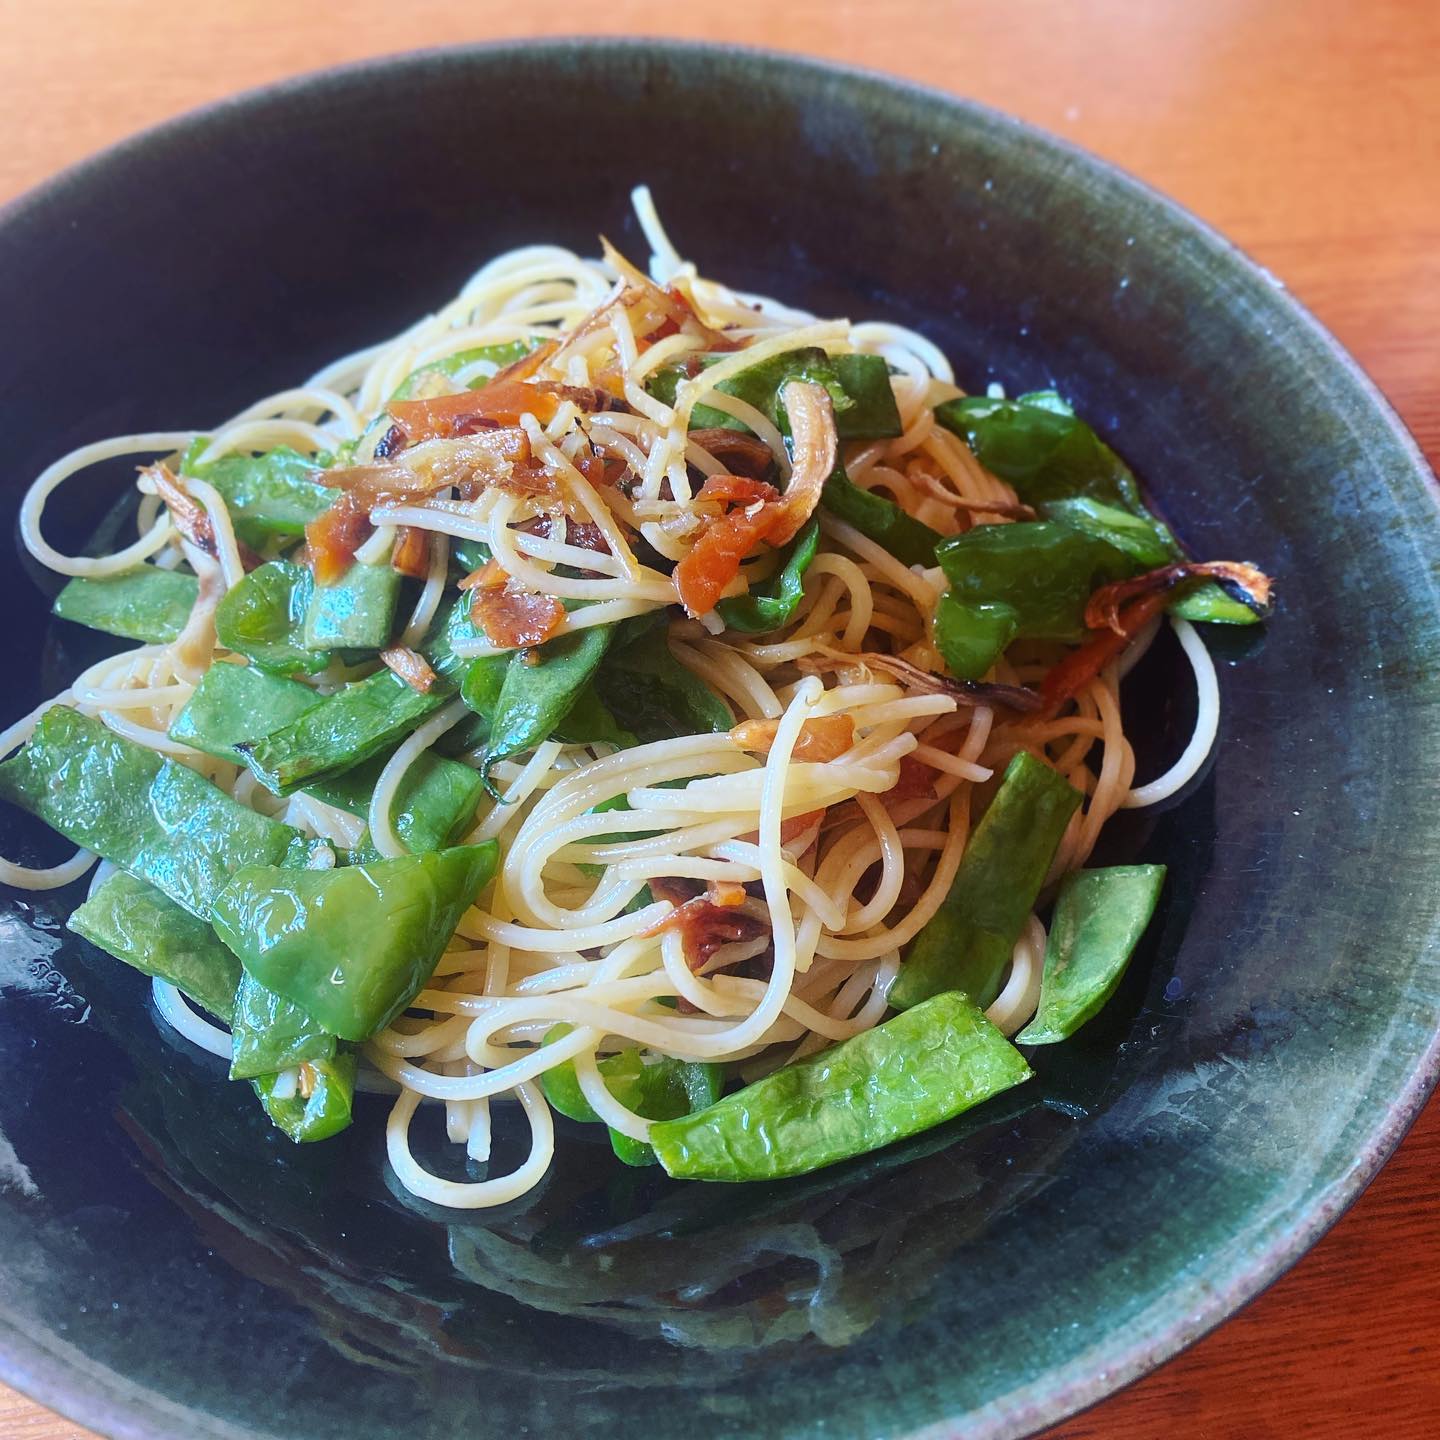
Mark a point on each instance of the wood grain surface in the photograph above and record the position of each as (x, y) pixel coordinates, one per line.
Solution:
(1306, 130)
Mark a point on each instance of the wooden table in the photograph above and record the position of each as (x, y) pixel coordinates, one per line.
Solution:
(1308, 131)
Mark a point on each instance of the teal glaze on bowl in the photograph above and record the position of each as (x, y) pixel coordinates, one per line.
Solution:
(172, 1267)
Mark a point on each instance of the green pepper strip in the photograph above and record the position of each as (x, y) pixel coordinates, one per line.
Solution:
(662, 1089)
(325, 1111)
(968, 941)
(151, 816)
(1099, 919)
(270, 496)
(357, 612)
(880, 519)
(360, 720)
(1047, 453)
(271, 1033)
(915, 1071)
(650, 692)
(539, 689)
(263, 618)
(1030, 580)
(773, 602)
(134, 922)
(351, 946)
(146, 604)
(500, 356)
(858, 385)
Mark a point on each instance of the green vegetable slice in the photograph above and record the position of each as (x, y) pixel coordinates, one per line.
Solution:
(357, 612)
(271, 1033)
(1044, 572)
(360, 720)
(351, 946)
(1133, 535)
(971, 638)
(858, 386)
(659, 1089)
(153, 817)
(134, 922)
(434, 802)
(967, 943)
(233, 704)
(349, 727)
(414, 385)
(540, 688)
(146, 604)
(1099, 919)
(271, 496)
(915, 1071)
(325, 1111)
(1029, 580)
(880, 519)
(1041, 447)
(263, 618)
(650, 692)
(773, 602)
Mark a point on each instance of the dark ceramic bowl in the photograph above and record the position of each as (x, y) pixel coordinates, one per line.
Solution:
(172, 1267)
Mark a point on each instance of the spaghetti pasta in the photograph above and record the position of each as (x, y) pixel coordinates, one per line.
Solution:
(682, 892)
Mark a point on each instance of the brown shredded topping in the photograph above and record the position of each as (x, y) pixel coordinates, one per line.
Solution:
(916, 677)
(1251, 585)
(812, 424)
(513, 617)
(411, 552)
(332, 539)
(491, 457)
(821, 738)
(411, 667)
(738, 450)
(705, 922)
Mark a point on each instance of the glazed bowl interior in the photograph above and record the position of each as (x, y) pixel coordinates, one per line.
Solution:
(175, 1268)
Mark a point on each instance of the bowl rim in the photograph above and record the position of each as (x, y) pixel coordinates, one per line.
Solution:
(65, 1380)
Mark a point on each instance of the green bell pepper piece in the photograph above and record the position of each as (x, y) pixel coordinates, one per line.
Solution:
(1038, 445)
(270, 496)
(351, 946)
(858, 386)
(915, 1071)
(325, 1111)
(589, 721)
(1133, 535)
(146, 604)
(434, 802)
(1028, 580)
(263, 618)
(650, 692)
(357, 612)
(233, 704)
(151, 816)
(540, 688)
(773, 602)
(1047, 453)
(360, 720)
(972, 637)
(967, 943)
(135, 923)
(351, 725)
(1043, 571)
(1099, 919)
(661, 1089)
(910, 541)
(270, 1032)
(498, 355)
